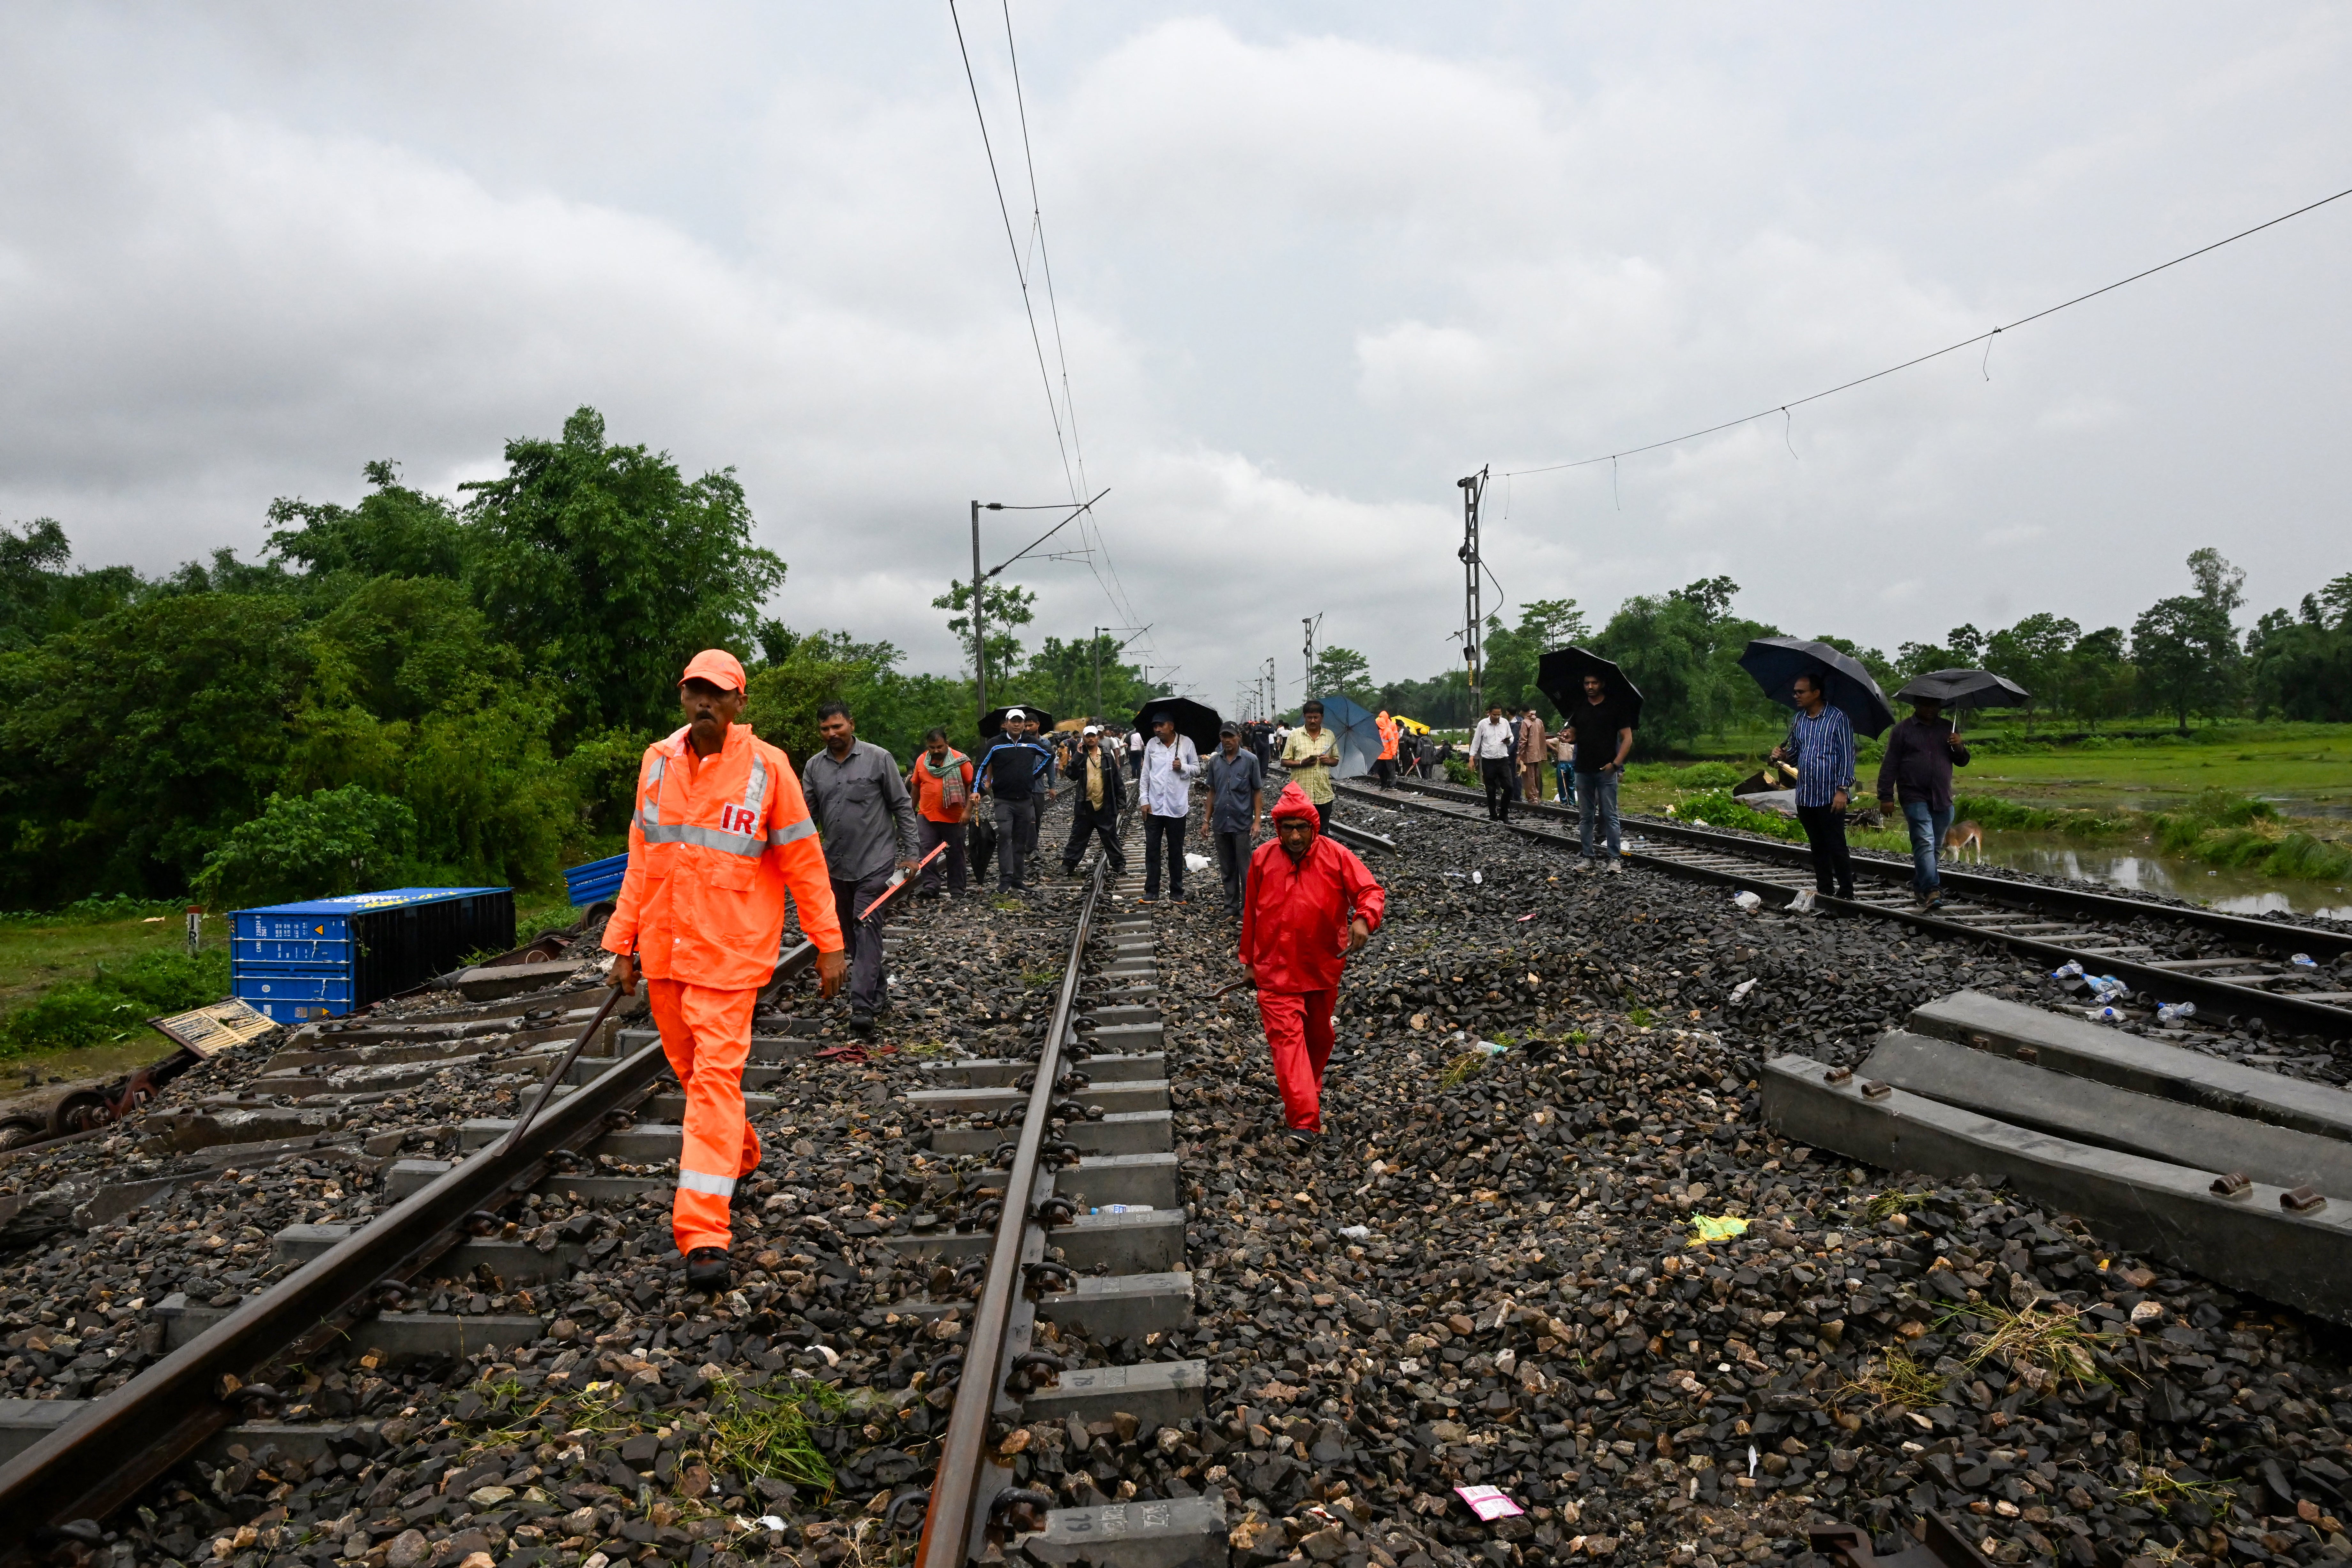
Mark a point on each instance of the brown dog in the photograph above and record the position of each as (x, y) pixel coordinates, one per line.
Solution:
(1962, 836)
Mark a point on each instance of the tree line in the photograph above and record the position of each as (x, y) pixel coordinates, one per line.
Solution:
(2183, 657)
(415, 688)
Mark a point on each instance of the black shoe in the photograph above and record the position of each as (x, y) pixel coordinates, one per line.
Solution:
(861, 1023)
(1299, 1140)
(709, 1271)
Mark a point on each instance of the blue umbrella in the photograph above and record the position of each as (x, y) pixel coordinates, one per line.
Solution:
(1776, 662)
(1358, 733)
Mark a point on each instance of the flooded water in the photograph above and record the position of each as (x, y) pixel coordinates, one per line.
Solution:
(2124, 866)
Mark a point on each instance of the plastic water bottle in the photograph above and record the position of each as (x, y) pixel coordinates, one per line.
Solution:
(1122, 1208)
(2067, 970)
(2304, 961)
(2173, 1013)
(2105, 1015)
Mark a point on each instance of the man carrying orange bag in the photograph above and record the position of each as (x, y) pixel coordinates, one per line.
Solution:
(720, 833)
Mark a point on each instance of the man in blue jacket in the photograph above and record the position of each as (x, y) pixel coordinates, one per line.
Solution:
(1008, 773)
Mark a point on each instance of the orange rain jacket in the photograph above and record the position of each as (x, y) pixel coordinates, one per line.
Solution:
(1389, 733)
(713, 845)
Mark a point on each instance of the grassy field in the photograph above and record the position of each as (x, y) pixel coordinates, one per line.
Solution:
(76, 988)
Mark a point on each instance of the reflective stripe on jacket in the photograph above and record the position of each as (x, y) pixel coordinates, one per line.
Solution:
(714, 845)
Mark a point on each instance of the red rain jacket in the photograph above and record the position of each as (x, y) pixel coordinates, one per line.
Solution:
(1295, 921)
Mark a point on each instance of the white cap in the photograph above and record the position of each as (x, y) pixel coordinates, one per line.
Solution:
(1091, 729)
(1014, 713)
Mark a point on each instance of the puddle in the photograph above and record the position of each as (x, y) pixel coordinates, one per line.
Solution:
(2121, 865)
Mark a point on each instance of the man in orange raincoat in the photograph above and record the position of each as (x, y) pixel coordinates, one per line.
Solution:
(1310, 903)
(1384, 767)
(720, 833)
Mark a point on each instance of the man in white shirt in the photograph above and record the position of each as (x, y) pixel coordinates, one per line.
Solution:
(1494, 748)
(1170, 763)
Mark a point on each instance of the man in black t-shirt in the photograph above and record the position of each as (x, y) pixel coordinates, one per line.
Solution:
(1604, 733)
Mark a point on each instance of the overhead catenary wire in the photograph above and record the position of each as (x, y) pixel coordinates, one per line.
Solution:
(1004, 210)
(1985, 338)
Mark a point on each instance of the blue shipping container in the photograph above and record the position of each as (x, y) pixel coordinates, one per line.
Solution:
(323, 956)
(596, 880)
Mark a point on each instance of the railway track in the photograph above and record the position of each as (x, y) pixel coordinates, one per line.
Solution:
(232, 1378)
(1020, 1292)
(1088, 1246)
(2230, 967)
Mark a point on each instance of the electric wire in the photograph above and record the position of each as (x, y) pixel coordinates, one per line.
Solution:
(1013, 245)
(1984, 338)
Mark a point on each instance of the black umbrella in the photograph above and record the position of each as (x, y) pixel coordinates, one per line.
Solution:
(1776, 662)
(1965, 688)
(1197, 721)
(993, 719)
(1560, 675)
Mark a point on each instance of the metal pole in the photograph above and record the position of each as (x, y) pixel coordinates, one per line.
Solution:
(979, 634)
(1473, 488)
(1097, 652)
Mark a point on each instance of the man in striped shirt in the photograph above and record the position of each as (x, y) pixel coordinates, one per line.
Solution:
(1821, 744)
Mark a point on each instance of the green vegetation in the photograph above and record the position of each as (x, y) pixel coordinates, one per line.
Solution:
(769, 1431)
(116, 1001)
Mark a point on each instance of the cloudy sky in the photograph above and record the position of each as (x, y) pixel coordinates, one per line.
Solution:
(1312, 264)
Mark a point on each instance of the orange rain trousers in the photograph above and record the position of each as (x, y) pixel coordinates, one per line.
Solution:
(1298, 1032)
(706, 1035)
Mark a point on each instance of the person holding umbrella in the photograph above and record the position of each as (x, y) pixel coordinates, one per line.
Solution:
(1170, 764)
(1820, 746)
(1602, 728)
(1921, 753)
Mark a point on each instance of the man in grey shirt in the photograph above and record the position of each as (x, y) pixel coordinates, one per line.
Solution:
(858, 798)
(1237, 799)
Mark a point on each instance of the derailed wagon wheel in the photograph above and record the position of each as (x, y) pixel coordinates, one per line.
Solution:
(17, 1131)
(80, 1111)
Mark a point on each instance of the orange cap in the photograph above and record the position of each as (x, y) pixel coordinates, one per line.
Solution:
(718, 666)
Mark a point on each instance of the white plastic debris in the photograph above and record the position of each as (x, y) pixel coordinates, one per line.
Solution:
(2065, 971)
(1802, 904)
(2304, 961)
(2173, 1013)
(1355, 1232)
(1195, 863)
(832, 1357)
(1746, 900)
(2105, 1015)
(1739, 992)
(1477, 876)
(1122, 1208)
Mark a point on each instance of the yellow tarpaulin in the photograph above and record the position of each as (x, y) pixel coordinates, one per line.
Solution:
(1706, 1228)
(1413, 725)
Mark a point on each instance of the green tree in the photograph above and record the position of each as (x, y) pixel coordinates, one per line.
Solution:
(1062, 679)
(608, 569)
(394, 532)
(2170, 643)
(312, 846)
(2035, 653)
(2100, 681)
(1343, 671)
(1004, 606)
(39, 596)
(131, 744)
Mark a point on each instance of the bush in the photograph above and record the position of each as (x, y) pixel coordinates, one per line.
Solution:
(1716, 809)
(94, 910)
(312, 846)
(115, 1004)
(1708, 776)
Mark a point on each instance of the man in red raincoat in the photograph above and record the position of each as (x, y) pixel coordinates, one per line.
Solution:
(1310, 903)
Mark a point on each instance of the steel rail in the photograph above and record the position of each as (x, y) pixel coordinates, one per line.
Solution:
(107, 1453)
(2284, 1009)
(956, 1512)
(2072, 901)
